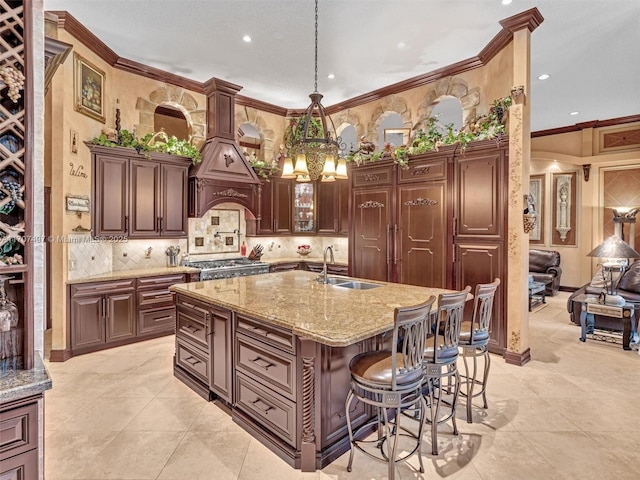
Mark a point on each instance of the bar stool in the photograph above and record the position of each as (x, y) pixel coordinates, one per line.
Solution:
(440, 361)
(392, 380)
(474, 340)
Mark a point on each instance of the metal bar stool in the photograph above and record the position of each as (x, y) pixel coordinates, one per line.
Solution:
(474, 340)
(440, 361)
(392, 380)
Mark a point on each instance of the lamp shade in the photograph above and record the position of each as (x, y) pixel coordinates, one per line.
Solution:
(329, 166)
(301, 165)
(613, 247)
(341, 169)
(287, 168)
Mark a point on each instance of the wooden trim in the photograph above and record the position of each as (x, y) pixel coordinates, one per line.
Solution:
(169, 112)
(60, 355)
(29, 118)
(243, 101)
(143, 70)
(530, 19)
(518, 359)
(584, 125)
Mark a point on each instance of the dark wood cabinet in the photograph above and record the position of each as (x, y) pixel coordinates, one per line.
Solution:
(276, 211)
(332, 208)
(139, 197)
(221, 350)
(110, 195)
(112, 313)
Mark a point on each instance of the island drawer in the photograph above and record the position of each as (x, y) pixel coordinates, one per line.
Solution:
(274, 336)
(195, 308)
(266, 364)
(193, 360)
(192, 327)
(277, 414)
(18, 430)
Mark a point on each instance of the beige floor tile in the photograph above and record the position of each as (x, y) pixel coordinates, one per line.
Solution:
(261, 463)
(206, 455)
(612, 442)
(174, 388)
(138, 385)
(212, 418)
(87, 384)
(156, 364)
(62, 459)
(167, 414)
(133, 455)
(107, 413)
(585, 462)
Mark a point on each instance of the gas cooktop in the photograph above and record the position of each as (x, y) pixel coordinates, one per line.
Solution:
(227, 268)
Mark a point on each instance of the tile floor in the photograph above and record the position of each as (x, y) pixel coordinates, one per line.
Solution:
(572, 412)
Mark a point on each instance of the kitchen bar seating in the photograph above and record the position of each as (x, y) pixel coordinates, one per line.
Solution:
(474, 340)
(392, 380)
(440, 361)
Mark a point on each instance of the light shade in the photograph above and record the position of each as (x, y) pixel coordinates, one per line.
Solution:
(303, 178)
(328, 178)
(613, 247)
(301, 165)
(329, 169)
(341, 169)
(287, 168)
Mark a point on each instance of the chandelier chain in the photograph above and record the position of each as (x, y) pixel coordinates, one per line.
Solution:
(315, 85)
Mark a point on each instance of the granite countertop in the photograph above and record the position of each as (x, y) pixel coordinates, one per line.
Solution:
(16, 383)
(331, 315)
(300, 258)
(140, 272)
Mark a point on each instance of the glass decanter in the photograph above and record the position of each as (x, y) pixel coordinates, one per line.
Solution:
(8, 309)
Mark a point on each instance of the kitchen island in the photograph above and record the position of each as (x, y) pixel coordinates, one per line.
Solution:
(275, 348)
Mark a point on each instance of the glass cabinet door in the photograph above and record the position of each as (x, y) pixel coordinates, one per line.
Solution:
(303, 208)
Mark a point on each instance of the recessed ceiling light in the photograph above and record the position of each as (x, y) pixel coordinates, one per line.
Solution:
(246, 38)
(331, 76)
(506, 2)
(544, 76)
(574, 113)
(401, 44)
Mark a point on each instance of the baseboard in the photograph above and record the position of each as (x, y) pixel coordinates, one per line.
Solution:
(518, 359)
(60, 355)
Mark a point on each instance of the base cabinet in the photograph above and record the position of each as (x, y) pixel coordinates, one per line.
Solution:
(20, 434)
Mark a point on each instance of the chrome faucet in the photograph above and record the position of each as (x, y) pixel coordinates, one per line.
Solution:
(322, 278)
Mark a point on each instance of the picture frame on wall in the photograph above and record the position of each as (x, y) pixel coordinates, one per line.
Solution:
(563, 216)
(88, 86)
(536, 190)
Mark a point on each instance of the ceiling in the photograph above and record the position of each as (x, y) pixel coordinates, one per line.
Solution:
(589, 47)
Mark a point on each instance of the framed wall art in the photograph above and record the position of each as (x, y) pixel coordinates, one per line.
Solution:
(563, 215)
(536, 189)
(88, 88)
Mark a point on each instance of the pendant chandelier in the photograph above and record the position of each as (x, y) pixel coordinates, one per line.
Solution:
(316, 148)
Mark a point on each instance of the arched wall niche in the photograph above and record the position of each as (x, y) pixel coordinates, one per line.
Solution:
(267, 141)
(388, 105)
(173, 97)
(348, 137)
(449, 87)
(172, 121)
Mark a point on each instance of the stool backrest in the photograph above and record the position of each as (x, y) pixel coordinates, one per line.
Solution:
(449, 323)
(483, 308)
(409, 333)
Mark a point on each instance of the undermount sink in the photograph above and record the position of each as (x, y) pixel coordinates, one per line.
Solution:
(346, 282)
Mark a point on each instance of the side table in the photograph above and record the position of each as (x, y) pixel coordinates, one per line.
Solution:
(590, 306)
(537, 293)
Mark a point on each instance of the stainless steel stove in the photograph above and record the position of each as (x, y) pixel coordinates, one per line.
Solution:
(228, 268)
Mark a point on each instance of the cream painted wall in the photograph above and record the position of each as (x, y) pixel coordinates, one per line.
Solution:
(550, 154)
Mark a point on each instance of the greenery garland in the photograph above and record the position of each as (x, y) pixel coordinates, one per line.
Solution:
(171, 144)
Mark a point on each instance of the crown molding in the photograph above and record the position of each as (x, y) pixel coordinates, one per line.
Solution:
(584, 125)
(530, 19)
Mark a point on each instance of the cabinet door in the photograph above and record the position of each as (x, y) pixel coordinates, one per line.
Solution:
(173, 193)
(87, 321)
(119, 315)
(110, 195)
(282, 206)
(479, 192)
(420, 247)
(327, 203)
(372, 212)
(343, 207)
(221, 349)
(303, 208)
(265, 224)
(145, 199)
(478, 263)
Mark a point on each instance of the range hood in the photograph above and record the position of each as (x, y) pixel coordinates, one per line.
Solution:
(224, 174)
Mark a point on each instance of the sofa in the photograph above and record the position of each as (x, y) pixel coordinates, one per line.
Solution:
(628, 287)
(544, 266)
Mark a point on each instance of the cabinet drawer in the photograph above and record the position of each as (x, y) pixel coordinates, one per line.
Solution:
(156, 282)
(156, 320)
(422, 171)
(195, 308)
(20, 467)
(267, 365)
(101, 287)
(155, 298)
(367, 176)
(277, 414)
(18, 430)
(193, 360)
(269, 334)
(193, 328)
(284, 267)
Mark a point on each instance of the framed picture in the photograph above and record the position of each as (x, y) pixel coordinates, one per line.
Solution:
(536, 190)
(88, 88)
(397, 136)
(77, 203)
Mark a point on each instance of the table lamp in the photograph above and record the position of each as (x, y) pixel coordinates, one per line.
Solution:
(614, 250)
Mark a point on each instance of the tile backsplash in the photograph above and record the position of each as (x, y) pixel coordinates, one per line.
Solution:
(136, 254)
(88, 256)
(284, 247)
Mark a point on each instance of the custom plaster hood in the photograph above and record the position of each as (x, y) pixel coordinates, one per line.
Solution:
(224, 174)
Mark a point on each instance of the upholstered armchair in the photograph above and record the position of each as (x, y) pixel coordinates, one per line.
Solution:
(544, 266)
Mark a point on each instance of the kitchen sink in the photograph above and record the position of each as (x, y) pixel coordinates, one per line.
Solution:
(337, 280)
(357, 285)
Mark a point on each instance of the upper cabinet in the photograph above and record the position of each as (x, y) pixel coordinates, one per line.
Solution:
(138, 197)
